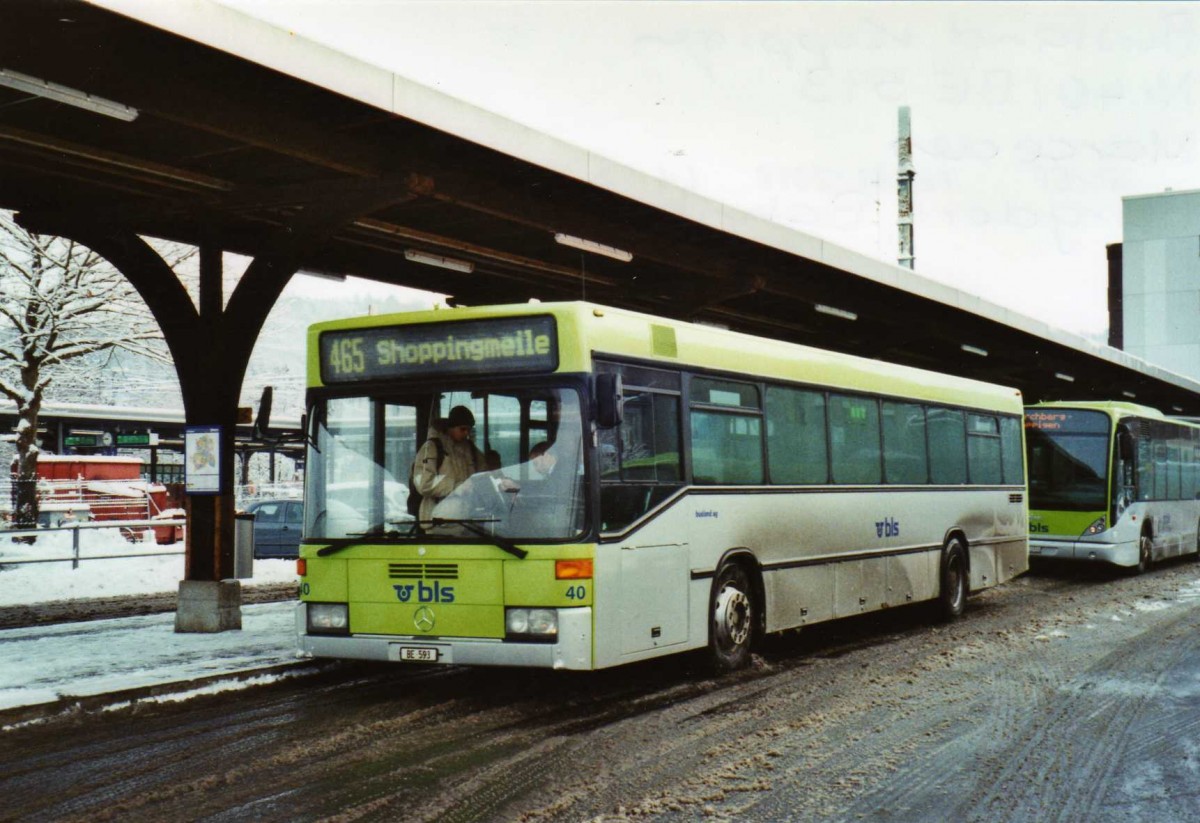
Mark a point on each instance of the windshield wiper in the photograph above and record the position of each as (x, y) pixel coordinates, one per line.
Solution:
(338, 544)
(473, 526)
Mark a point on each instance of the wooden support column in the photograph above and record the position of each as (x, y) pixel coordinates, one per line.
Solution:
(215, 381)
(211, 344)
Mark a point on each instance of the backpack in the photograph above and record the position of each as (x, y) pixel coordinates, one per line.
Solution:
(414, 496)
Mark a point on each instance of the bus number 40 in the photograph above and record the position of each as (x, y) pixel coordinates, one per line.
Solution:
(577, 593)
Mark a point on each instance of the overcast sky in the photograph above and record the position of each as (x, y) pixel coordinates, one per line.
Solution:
(1030, 120)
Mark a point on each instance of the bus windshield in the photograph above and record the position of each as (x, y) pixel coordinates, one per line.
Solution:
(1068, 459)
(510, 466)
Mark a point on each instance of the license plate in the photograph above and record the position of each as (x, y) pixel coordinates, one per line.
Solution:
(418, 654)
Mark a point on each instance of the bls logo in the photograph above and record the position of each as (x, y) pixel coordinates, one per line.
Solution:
(1039, 528)
(888, 527)
(437, 593)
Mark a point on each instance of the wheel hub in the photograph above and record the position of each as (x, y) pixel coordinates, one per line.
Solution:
(732, 617)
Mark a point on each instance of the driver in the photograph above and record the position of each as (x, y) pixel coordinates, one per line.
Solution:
(442, 466)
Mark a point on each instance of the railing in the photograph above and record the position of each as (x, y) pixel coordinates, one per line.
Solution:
(75, 528)
(90, 498)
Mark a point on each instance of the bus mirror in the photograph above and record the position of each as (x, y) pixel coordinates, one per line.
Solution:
(262, 423)
(1125, 446)
(609, 409)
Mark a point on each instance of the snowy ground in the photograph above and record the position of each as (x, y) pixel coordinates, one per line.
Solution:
(43, 664)
(144, 573)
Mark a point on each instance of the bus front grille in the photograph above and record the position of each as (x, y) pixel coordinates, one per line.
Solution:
(424, 571)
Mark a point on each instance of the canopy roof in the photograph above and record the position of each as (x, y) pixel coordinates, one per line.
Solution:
(241, 129)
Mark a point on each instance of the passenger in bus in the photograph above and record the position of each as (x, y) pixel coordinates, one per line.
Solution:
(543, 459)
(446, 460)
(491, 460)
(555, 479)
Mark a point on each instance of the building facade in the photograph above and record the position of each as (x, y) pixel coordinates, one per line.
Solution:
(1159, 305)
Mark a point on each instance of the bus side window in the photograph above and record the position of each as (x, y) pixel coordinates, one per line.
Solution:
(640, 459)
(947, 446)
(1012, 454)
(983, 449)
(1145, 468)
(796, 444)
(726, 424)
(905, 458)
(854, 438)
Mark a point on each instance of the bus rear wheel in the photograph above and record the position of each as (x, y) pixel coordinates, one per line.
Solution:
(952, 599)
(733, 614)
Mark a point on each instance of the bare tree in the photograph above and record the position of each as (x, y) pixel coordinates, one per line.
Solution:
(61, 306)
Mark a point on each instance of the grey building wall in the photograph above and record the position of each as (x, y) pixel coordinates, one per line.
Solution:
(1161, 294)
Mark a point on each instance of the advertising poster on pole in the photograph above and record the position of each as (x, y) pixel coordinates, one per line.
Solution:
(202, 455)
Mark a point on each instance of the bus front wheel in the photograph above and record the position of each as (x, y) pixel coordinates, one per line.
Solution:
(952, 600)
(1145, 553)
(731, 626)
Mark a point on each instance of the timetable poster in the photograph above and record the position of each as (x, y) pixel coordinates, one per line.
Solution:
(202, 453)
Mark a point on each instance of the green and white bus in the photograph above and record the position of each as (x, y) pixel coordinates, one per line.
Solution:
(713, 487)
(1112, 482)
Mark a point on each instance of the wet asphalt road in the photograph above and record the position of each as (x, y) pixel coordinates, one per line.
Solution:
(1059, 696)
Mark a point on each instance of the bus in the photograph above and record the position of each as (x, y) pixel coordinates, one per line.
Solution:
(1112, 482)
(714, 487)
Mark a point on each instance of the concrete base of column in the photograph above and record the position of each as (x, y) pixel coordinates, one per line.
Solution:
(209, 606)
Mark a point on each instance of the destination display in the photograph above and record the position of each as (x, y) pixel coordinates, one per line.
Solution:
(1066, 420)
(511, 344)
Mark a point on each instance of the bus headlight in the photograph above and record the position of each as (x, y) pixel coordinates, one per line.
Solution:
(1096, 527)
(328, 618)
(531, 624)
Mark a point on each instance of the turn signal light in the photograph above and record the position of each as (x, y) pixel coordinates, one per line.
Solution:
(573, 569)
(302, 566)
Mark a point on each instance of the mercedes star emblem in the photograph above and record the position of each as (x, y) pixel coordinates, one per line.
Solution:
(423, 618)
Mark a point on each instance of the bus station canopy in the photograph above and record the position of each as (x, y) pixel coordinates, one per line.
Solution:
(192, 122)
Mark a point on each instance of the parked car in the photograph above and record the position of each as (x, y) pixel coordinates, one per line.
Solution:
(277, 527)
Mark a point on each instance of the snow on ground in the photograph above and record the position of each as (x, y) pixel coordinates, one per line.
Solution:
(145, 572)
(47, 663)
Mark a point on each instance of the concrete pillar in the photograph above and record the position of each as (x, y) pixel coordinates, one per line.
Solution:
(209, 606)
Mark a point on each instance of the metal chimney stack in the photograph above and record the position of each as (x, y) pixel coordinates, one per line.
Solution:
(904, 190)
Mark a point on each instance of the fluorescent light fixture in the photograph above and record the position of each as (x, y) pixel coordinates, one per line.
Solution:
(337, 278)
(832, 312)
(65, 94)
(1129, 394)
(974, 350)
(85, 432)
(1177, 408)
(1066, 377)
(414, 256)
(593, 246)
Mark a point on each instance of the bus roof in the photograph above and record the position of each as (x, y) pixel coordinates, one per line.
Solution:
(587, 329)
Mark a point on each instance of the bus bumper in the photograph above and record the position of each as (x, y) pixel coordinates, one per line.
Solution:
(572, 650)
(1118, 554)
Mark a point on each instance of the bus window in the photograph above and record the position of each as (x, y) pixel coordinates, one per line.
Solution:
(947, 446)
(905, 459)
(796, 445)
(1160, 471)
(640, 460)
(854, 436)
(983, 449)
(1173, 470)
(726, 441)
(502, 429)
(1012, 452)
